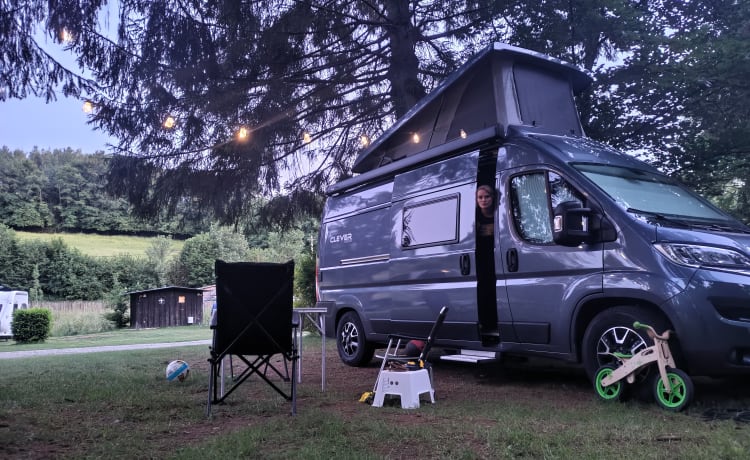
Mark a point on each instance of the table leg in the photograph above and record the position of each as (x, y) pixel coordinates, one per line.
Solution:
(299, 342)
(322, 322)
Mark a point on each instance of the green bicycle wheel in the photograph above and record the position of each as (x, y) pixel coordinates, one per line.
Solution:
(611, 392)
(679, 395)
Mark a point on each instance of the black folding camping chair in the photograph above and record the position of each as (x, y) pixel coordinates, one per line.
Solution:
(254, 323)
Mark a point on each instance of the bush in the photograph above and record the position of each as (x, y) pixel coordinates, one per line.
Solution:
(119, 315)
(119, 303)
(31, 325)
(304, 281)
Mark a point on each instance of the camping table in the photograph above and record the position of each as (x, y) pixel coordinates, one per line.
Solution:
(317, 316)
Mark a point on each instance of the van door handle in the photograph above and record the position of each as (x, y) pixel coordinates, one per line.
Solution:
(511, 259)
(465, 263)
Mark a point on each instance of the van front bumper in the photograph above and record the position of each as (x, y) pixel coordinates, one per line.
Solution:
(712, 320)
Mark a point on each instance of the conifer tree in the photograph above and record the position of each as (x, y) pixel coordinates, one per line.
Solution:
(227, 102)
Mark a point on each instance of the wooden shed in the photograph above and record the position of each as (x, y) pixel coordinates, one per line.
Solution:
(167, 306)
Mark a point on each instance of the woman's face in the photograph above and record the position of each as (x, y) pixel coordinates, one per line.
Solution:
(484, 200)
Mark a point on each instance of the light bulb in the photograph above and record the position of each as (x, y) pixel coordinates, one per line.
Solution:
(66, 36)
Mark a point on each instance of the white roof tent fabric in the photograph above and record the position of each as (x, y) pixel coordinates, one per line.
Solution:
(500, 87)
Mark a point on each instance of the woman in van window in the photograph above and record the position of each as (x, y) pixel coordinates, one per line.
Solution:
(486, 208)
(486, 298)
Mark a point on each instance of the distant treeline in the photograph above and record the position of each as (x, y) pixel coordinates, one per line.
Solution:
(51, 270)
(66, 191)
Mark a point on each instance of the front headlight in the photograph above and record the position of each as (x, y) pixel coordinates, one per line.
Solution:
(694, 255)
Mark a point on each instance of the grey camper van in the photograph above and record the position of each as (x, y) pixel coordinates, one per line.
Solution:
(586, 241)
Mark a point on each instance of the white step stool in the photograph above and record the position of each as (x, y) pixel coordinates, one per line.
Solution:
(409, 385)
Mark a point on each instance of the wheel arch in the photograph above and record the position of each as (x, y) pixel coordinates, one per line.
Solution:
(591, 307)
(342, 311)
(341, 306)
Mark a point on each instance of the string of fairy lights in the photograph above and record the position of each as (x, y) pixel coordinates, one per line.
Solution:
(242, 133)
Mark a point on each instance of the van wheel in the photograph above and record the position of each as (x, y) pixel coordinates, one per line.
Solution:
(350, 341)
(612, 331)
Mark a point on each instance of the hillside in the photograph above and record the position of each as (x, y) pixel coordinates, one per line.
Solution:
(101, 245)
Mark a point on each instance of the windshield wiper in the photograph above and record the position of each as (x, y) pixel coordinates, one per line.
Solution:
(659, 217)
(686, 223)
(716, 227)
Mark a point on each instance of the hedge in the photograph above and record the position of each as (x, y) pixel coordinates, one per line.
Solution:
(31, 325)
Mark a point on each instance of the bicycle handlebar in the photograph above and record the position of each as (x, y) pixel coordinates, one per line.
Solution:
(652, 332)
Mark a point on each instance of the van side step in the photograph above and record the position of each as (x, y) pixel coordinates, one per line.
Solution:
(472, 356)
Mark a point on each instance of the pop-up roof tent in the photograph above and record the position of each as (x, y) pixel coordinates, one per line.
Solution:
(499, 87)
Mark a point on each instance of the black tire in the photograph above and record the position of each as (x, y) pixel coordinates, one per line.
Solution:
(612, 331)
(353, 348)
(614, 392)
(681, 393)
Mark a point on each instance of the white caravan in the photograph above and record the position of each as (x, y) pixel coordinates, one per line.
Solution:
(10, 301)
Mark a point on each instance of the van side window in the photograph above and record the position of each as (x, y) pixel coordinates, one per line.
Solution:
(533, 196)
(430, 222)
(561, 191)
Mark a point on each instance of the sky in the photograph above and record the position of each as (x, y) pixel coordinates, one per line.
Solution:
(32, 122)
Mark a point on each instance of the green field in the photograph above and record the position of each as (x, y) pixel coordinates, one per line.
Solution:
(101, 245)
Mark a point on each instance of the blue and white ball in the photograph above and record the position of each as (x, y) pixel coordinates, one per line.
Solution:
(177, 370)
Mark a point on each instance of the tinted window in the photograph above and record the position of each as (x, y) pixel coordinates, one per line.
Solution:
(533, 196)
(545, 100)
(430, 222)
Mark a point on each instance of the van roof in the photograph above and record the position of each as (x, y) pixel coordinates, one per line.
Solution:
(501, 86)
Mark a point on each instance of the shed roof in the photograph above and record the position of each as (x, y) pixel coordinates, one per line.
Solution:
(166, 288)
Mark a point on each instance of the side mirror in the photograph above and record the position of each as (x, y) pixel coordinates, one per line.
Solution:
(571, 224)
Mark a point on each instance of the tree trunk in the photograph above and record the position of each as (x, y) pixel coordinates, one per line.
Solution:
(406, 89)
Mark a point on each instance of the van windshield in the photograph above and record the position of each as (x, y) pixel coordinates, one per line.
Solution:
(652, 195)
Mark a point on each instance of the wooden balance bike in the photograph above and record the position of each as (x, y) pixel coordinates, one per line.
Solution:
(672, 388)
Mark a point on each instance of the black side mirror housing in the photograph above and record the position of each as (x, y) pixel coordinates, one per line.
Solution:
(570, 226)
(573, 225)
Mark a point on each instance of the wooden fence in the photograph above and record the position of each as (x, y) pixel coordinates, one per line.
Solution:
(93, 306)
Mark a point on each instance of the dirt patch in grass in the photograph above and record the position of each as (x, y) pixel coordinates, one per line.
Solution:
(533, 383)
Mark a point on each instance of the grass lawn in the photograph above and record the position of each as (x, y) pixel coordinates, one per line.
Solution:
(119, 405)
(101, 245)
(117, 337)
